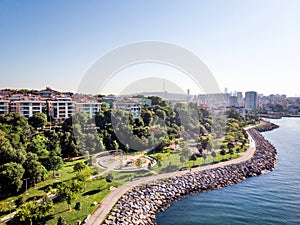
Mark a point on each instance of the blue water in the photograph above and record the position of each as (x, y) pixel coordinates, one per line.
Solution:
(272, 198)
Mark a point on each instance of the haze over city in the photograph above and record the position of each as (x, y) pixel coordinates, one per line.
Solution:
(248, 45)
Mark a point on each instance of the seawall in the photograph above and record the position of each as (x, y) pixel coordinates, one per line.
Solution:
(140, 204)
(266, 126)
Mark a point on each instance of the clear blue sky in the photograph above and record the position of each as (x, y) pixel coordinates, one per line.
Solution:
(248, 45)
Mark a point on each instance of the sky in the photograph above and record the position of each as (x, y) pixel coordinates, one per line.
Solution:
(247, 45)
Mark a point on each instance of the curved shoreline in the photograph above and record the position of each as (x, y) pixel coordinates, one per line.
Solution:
(140, 204)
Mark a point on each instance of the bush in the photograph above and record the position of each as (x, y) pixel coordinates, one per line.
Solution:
(109, 178)
(79, 166)
(19, 201)
(78, 206)
(61, 221)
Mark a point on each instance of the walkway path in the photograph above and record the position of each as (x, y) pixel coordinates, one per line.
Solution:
(111, 199)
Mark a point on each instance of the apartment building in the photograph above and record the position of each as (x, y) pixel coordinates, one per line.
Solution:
(27, 106)
(4, 105)
(61, 108)
(89, 107)
(133, 105)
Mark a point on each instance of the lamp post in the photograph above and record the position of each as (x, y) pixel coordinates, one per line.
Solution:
(26, 184)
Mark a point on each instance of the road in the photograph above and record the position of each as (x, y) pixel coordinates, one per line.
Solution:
(111, 199)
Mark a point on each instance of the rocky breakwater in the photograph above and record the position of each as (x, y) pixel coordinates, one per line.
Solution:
(140, 204)
(266, 126)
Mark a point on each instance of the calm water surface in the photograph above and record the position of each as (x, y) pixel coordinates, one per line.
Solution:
(272, 198)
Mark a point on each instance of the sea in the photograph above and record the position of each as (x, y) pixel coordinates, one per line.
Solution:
(269, 199)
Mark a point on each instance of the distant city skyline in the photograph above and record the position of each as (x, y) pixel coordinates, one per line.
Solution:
(247, 45)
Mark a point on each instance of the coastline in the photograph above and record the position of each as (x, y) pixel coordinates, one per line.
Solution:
(139, 204)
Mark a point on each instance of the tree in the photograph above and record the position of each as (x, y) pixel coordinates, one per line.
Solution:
(147, 117)
(38, 120)
(84, 174)
(231, 152)
(139, 162)
(185, 152)
(159, 159)
(31, 211)
(104, 106)
(54, 163)
(223, 152)
(8, 153)
(61, 221)
(204, 157)
(38, 145)
(34, 169)
(214, 155)
(109, 178)
(11, 177)
(182, 160)
(209, 145)
(230, 145)
(19, 201)
(79, 166)
(193, 158)
(67, 191)
(115, 145)
(78, 206)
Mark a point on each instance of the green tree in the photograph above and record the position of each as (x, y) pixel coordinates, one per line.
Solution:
(8, 153)
(214, 155)
(38, 120)
(38, 145)
(54, 163)
(109, 178)
(67, 191)
(204, 157)
(31, 211)
(193, 158)
(61, 221)
(79, 166)
(104, 106)
(11, 177)
(78, 206)
(34, 169)
(223, 152)
(84, 174)
(147, 116)
(139, 162)
(182, 160)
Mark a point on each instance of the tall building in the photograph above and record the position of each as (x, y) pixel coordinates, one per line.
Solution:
(240, 99)
(233, 101)
(251, 100)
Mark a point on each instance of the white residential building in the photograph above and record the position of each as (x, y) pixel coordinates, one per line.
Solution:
(28, 106)
(61, 108)
(132, 105)
(89, 107)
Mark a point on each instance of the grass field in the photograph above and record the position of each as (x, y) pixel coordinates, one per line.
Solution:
(171, 161)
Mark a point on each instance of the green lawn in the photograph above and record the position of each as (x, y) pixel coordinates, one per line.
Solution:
(96, 190)
(171, 161)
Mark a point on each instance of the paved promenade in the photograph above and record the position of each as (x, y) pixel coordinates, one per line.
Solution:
(111, 199)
